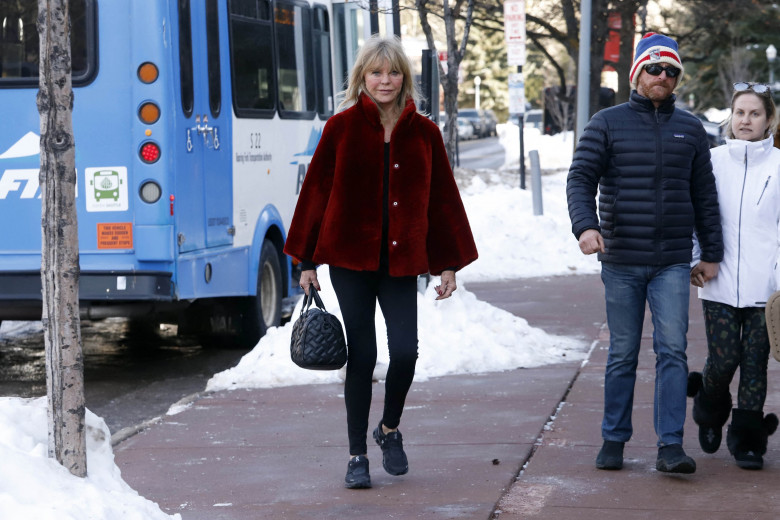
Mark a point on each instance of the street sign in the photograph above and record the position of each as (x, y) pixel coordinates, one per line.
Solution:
(514, 21)
(516, 94)
(515, 54)
(514, 31)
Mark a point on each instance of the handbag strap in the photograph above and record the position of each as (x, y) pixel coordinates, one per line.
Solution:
(315, 297)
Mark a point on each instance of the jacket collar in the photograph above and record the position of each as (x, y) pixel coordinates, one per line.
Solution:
(643, 104)
(371, 111)
(753, 151)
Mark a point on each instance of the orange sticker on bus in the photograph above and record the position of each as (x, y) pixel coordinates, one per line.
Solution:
(115, 235)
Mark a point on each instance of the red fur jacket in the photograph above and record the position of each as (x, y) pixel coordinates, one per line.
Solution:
(338, 218)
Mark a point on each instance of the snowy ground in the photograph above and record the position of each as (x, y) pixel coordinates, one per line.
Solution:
(33, 486)
(458, 335)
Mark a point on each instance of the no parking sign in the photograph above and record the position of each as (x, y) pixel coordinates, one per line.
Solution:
(514, 31)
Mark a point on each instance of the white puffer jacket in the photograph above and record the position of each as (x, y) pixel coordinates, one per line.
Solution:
(747, 175)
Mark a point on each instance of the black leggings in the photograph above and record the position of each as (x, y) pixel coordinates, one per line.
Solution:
(736, 338)
(358, 292)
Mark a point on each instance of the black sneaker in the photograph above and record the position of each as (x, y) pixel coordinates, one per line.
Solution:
(357, 473)
(393, 457)
(610, 456)
(672, 459)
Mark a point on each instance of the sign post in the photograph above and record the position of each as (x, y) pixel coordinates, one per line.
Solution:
(583, 69)
(517, 106)
(514, 34)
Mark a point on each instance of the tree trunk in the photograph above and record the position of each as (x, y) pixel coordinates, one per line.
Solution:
(59, 248)
(623, 68)
(451, 112)
(455, 53)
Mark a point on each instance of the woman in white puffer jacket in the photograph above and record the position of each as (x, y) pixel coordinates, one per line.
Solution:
(747, 173)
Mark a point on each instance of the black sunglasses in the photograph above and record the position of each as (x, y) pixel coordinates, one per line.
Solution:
(758, 88)
(655, 70)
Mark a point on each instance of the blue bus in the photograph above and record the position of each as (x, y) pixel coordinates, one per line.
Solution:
(194, 123)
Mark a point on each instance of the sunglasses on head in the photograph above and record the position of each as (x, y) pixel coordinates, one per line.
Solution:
(656, 69)
(758, 88)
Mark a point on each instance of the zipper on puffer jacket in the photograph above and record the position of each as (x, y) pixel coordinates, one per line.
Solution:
(763, 190)
(739, 228)
(658, 187)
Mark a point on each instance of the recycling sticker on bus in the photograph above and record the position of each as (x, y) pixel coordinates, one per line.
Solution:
(106, 188)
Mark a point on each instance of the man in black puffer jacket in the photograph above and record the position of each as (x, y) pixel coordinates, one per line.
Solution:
(651, 166)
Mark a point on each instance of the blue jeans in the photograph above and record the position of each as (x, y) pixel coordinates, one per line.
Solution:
(666, 289)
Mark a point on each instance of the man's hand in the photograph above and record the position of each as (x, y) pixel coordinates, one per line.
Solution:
(703, 272)
(591, 242)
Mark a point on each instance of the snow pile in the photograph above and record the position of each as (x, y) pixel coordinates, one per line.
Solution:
(555, 151)
(512, 242)
(458, 335)
(34, 486)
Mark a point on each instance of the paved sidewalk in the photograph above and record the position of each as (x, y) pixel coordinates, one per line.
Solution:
(561, 481)
(282, 454)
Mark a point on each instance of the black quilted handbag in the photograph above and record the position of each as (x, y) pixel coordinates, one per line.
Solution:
(317, 341)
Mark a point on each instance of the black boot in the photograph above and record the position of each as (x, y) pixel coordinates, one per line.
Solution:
(747, 436)
(709, 412)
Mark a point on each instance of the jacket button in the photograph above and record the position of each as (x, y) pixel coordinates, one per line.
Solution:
(395, 243)
(395, 204)
(396, 166)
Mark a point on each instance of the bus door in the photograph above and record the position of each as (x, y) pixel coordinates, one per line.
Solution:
(203, 200)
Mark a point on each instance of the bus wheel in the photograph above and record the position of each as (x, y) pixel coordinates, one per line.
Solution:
(142, 330)
(265, 309)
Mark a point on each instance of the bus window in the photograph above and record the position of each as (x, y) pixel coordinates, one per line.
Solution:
(256, 9)
(251, 57)
(322, 60)
(212, 44)
(349, 28)
(185, 58)
(19, 44)
(294, 59)
(357, 25)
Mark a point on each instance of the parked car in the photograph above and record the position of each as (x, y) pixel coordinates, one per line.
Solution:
(716, 132)
(465, 129)
(531, 119)
(492, 121)
(477, 119)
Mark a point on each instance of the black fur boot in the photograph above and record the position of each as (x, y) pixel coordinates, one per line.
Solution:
(747, 436)
(709, 412)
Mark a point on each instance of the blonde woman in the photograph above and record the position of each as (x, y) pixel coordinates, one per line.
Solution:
(747, 173)
(380, 206)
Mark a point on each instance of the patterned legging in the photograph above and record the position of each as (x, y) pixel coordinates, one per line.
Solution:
(736, 337)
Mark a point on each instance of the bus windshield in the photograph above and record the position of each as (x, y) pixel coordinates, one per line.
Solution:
(19, 46)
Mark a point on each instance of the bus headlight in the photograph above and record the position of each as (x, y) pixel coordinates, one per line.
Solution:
(150, 192)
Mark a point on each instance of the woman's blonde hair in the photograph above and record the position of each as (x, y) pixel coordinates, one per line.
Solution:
(377, 51)
(769, 107)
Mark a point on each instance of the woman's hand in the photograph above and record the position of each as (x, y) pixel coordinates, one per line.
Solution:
(447, 286)
(703, 272)
(309, 277)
